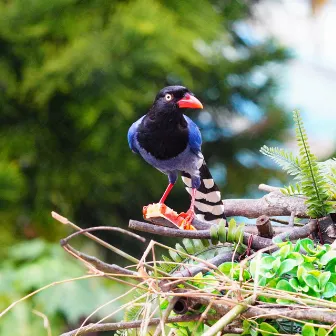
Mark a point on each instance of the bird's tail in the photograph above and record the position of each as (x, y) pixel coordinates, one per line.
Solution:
(208, 205)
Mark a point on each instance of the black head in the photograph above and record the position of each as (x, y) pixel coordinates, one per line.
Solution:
(175, 98)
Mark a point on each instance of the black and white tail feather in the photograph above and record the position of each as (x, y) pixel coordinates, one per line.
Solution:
(208, 204)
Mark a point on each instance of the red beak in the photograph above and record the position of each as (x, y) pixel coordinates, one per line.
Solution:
(189, 101)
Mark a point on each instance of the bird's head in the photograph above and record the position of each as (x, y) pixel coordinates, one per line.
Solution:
(176, 98)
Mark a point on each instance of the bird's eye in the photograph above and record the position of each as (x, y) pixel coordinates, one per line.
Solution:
(168, 97)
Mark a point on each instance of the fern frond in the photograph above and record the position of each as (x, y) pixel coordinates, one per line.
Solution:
(286, 160)
(292, 190)
(329, 171)
(313, 183)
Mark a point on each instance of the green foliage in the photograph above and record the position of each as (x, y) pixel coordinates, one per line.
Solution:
(316, 180)
(31, 265)
(233, 234)
(313, 272)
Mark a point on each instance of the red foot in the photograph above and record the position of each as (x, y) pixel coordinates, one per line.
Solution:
(182, 220)
(187, 218)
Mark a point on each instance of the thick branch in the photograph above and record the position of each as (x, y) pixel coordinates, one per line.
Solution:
(257, 243)
(299, 232)
(272, 204)
(136, 324)
(307, 313)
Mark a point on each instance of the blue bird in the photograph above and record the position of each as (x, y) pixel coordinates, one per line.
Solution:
(171, 142)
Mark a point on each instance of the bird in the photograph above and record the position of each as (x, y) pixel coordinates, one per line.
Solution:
(171, 142)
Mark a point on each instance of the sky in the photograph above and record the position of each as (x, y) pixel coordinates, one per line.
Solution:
(309, 80)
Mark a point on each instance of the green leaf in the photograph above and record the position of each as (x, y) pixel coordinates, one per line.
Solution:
(324, 278)
(321, 332)
(285, 250)
(329, 290)
(231, 230)
(327, 257)
(239, 233)
(308, 245)
(276, 264)
(266, 329)
(222, 231)
(308, 330)
(311, 281)
(175, 256)
(180, 248)
(164, 304)
(189, 245)
(214, 234)
(286, 266)
(297, 257)
(284, 285)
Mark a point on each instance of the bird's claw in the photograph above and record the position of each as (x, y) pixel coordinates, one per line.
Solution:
(186, 219)
(182, 221)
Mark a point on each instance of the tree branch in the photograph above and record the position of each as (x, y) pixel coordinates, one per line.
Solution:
(272, 204)
(136, 324)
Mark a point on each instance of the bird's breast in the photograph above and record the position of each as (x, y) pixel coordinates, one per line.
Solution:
(163, 144)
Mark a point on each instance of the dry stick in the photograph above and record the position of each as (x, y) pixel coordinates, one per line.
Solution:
(228, 317)
(123, 254)
(100, 265)
(136, 324)
(277, 220)
(46, 323)
(165, 316)
(102, 228)
(299, 314)
(268, 188)
(272, 204)
(318, 314)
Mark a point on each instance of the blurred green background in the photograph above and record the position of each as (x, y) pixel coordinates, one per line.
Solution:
(74, 75)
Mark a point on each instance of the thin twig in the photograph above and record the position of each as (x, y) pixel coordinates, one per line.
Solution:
(123, 254)
(98, 264)
(268, 188)
(102, 228)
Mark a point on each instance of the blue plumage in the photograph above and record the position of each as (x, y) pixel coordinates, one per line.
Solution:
(189, 160)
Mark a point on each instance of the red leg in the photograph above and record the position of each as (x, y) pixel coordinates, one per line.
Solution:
(166, 193)
(193, 197)
(190, 214)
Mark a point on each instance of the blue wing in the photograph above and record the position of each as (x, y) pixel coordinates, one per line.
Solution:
(131, 135)
(195, 138)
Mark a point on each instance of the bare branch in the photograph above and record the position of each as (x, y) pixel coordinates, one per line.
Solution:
(136, 324)
(272, 204)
